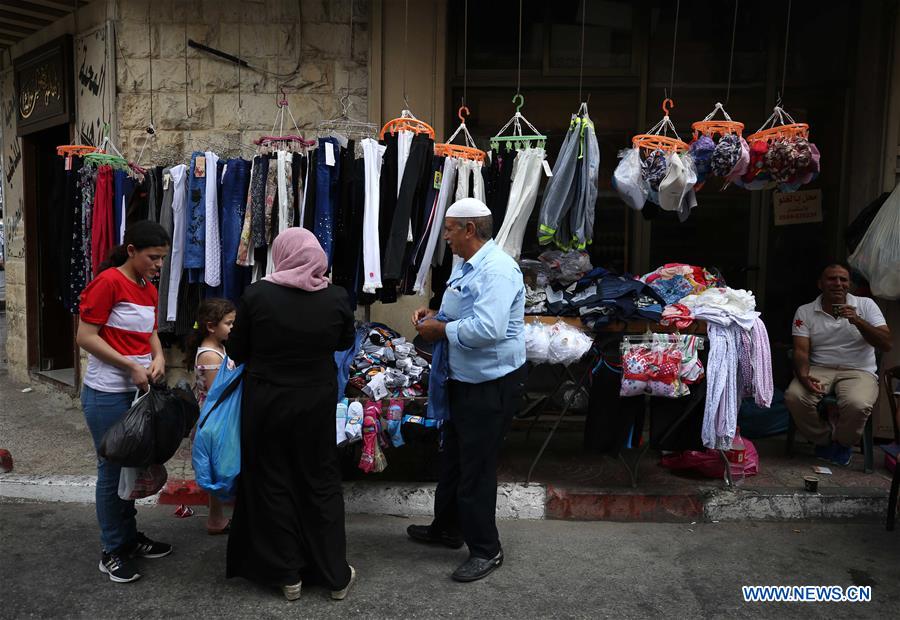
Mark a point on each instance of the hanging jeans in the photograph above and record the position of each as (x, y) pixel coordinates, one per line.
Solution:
(103, 222)
(526, 178)
(327, 177)
(195, 231)
(435, 232)
(412, 189)
(373, 154)
(115, 515)
(235, 184)
(560, 192)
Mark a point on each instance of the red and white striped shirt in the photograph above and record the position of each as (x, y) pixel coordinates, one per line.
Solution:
(126, 312)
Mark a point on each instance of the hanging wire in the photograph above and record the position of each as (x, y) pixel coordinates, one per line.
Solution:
(405, 49)
(240, 53)
(150, 58)
(787, 34)
(465, 50)
(350, 66)
(187, 111)
(581, 65)
(731, 58)
(519, 70)
(674, 47)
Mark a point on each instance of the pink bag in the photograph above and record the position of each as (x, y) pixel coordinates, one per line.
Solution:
(709, 464)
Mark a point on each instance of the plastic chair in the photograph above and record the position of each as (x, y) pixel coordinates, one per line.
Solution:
(887, 379)
(866, 441)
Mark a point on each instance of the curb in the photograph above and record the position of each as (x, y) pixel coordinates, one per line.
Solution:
(520, 501)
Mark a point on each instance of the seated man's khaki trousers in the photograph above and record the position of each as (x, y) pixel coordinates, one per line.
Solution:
(856, 392)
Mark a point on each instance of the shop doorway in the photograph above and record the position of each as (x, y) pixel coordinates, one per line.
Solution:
(51, 331)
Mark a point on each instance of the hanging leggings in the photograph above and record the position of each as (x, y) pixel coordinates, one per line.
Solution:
(526, 177)
(372, 155)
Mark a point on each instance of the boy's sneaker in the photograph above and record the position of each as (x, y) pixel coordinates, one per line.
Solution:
(146, 548)
(825, 453)
(841, 455)
(118, 567)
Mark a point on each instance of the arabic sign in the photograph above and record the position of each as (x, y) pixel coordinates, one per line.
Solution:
(797, 207)
(94, 84)
(43, 87)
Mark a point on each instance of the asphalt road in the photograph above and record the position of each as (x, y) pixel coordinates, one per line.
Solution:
(49, 554)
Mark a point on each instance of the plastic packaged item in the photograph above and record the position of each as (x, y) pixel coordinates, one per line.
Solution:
(341, 421)
(354, 422)
(628, 181)
(567, 344)
(537, 343)
(737, 459)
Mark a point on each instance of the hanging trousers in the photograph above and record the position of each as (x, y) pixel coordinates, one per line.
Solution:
(235, 184)
(466, 497)
(102, 228)
(412, 190)
(435, 230)
(373, 154)
(167, 221)
(327, 177)
(526, 177)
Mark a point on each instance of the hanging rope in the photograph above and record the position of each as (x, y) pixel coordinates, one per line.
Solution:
(240, 83)
(787, 34)
(581, 64)
(731, 58)
(674, 47)
(519, 70)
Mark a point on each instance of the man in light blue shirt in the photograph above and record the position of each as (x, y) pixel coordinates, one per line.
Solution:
(484, 308)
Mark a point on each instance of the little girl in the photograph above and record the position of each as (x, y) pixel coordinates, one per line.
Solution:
(204, 353)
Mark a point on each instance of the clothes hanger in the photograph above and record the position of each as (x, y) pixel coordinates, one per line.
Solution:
(517, 140)
(469, 150)
(657, 138)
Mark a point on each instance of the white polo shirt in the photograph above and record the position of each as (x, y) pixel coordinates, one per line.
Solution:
(835, 343)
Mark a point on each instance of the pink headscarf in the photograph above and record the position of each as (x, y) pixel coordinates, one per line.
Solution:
(299, 261)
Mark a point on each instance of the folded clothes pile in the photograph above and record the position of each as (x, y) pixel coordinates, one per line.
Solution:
(675, 281)
(386, 365)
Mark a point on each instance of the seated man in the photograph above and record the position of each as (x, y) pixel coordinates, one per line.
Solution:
(835, 338)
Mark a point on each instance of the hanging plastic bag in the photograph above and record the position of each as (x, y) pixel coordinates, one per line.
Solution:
(139, 482)
(878, 254)
(130, 441)
(217, 444)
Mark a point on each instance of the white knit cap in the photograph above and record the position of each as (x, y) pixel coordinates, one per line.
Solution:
(468, 207)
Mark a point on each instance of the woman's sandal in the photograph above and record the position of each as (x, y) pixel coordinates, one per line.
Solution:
(224, 530)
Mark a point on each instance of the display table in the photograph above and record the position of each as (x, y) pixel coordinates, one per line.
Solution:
(603, 338)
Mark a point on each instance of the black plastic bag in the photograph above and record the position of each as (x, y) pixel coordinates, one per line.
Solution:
(152, 430)
(130, 441)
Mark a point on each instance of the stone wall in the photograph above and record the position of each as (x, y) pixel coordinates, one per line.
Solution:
(200, 101)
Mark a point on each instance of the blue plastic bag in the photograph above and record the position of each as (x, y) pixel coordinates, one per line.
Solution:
(216, 454)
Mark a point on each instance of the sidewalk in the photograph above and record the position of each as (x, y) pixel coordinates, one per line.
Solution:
(54, 459)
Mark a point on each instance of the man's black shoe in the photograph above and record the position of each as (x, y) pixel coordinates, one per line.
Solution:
(423, 533)
(474, 568)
